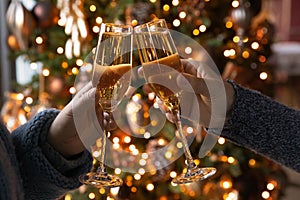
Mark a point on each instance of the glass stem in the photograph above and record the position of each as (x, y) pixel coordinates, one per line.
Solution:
(188, 155)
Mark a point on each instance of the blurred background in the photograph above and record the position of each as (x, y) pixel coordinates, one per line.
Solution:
(45, 44)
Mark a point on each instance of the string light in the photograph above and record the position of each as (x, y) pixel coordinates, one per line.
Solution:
(176, 22)
(72, 90)
(221, 140)
(93, 8)
(137, 177)
(265, 194)
(182, 15)
(175, 2)
(60, 50)
(255, 45)
(202, 28)
(92, 195)
(150, 187)
(39, 40)
(166, 7)
(263, 75)
(235, 3)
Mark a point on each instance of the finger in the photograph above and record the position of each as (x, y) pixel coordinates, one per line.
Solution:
(191, 83)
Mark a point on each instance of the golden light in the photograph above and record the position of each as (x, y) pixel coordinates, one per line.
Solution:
(39, 40)
(96, 29)
(173, 184)
(147, 135)
(75, 70)
(221, 140)
(132, 147)
(179, 145)
(127, 139)
(262, 59)
(92, 195)
(145, 156)
(197, 161)
(202, 28)
(255, 45)
(114, 191)
(182, 14)
(102, 191)
(64, 65)
(236, 39)
(173, 174)
(196, 32)
(137, 177)
(72, 90)
(232, 52)
(166, 7)
(161, 141)
(134, 22)
(60, 50)
(233, 195)
(175, 2)
(33, 65)
(135, 152)
(96, 154)
(62, 22)
(252, 162)
(99, 20)
(68, 197)
(235, 3)
(229, 24)
(116, 146)
(270, 186)
(263, 75)
(176, 22)
(46, 72)
(189, 130)
(142, 162)
(133, 189)
(118, 171)
(150, 187)
(231, 160)
(265, 194)
(141, 171)
(116, 140)
(245, 54)
(152, 1)
(79, 62)
(93, 8)
(168, 154)
(246, 39)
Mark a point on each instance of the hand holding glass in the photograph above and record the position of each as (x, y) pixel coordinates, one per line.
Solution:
(159, 56)
(111, 76)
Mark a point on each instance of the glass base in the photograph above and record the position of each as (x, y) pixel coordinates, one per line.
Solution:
(100, 180)
(195, 174)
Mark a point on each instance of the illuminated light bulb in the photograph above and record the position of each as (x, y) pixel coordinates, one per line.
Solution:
(221, 140)
(152, 1)
(188, 50)
(236, 39)
(229, 24)
(72, 90)
(265, 194)
(79, 62)
(135, 152)
(133, 189)
(245, 54)
(202, 28)
(179, 145)
(93, 8)
(60, 50)
(132, 147)
(252, 162)
(147, 135)
(231, 160)
(39, 40)
(116, 140)
(263, 75)
(141, 171)
(142, 162)
(75, 70)
(175, 2)
(127, 139)
(99, 20)
(173, 174)
(29, 100)
(96, 29)
(255, 45)
(137, 177)
(161, 141)
(102, 191)
(68, 197)
(118, 171)
(168, 154)
(235, 3)
(150, 187)
(182, 14)
(270, 186)
(166, 7)
(176, 22)
(116, 146)
(92, 195)
(134, 22)
(114, 191)
(226, 53)
(196, 32)
(46, 72)
(64, 65)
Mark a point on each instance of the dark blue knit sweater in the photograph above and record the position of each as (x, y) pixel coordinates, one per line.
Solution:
(30, 168)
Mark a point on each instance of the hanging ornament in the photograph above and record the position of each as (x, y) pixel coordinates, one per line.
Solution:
(73, 19)
(20, 22)
(46, 13)
(241, 17)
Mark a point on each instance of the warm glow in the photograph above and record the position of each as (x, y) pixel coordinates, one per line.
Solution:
(202, 28)
(96, 29)
(252, 162)
(39, 40)
(147, 135)
(270, 186)
(182, 14)
(99, 20)
(116, 140)
(79, 62)
(245, 54)
(142, 162)
(235, 3)
(92, 195)
(226, 184)
(168, 154)
(141, 171)
(68, 197)
(102, 191)
(221, 140)
(150, 187)
(137, 177)
(72, 90)
(229, 24)
(230, 160)
(93, 8)
(236, 39)
(263, 75)
(29, 100)
(64, 65)
(46, 72)
(255, 45)
(127, 139)
(60, 50)
(133, 189)
(179, 145)
(152, 1)
(166, 7)
(114, 191)
(265, 194)
(173, 174)
(161, 142)
(118, 171)
(176, 22)
(75, 70)
(196, 32)
(188, 50)
(175, 2)
(189, 130)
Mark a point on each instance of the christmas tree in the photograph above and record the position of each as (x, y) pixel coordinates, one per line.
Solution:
(59, 36)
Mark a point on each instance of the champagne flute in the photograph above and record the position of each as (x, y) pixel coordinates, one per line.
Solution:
(111, 76)
(159, 58)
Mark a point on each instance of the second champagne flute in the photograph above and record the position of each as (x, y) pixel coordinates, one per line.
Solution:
(161, 65)
(111, 76)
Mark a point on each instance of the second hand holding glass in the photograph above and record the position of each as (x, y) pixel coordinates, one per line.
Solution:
(111, 76)
(159, 57)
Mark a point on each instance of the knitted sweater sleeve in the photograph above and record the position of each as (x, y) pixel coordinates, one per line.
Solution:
(45, 173)
(267, 127)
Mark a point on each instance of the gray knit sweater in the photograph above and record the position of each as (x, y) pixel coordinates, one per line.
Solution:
(30, 168)
(265, 126)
